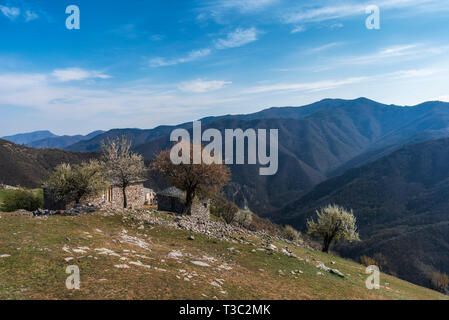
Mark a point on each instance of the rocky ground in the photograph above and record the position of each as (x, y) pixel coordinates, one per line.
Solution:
(155, 255)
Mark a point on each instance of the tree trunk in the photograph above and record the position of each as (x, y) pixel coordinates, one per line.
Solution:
(125, 200)
(188, 204)
(326, 245)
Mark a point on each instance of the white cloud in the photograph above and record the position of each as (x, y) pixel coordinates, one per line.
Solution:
(192, 56)
(30, 16)
(324, 47)
(217, 9)
(10, 12)
(77, 74)
(415, 73)
(244, 5)
(351, 8)
(135, 103)
(393, 53)
(443, 98)
(305, 86)
(201, 86)
(238, 38)
(298, 29)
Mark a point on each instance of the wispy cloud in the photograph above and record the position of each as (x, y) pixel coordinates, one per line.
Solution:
(10, 12)
(192, 56)
(349, 8)
(415, 73)
(14, 13)
(30, 16)
(134, 103)
(298, 29)
(201, 86)
(242, 5)
(324, 47)
(77, 74)
(237, 38)
(305, 86)
(390, 54)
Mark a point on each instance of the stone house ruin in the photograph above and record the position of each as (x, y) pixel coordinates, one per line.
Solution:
(111, 198)
(173, 200)
(150, 197)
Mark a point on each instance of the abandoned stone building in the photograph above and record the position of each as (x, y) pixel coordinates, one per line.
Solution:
(136, 195)
(150, 197)
(173, 200)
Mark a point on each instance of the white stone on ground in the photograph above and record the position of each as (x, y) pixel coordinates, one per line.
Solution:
(200, 263)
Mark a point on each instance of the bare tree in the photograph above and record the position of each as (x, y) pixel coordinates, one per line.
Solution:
(334, 223)
(195, 179)
(123, 166)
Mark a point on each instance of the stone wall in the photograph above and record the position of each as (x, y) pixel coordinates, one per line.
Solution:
(200, 208)
(114, 198)
(109, 199)
(170, 204)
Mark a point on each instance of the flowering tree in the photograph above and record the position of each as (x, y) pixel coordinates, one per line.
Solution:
(123, 166)
(334, 223)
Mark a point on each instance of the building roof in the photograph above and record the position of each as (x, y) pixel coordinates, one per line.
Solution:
(172, 192)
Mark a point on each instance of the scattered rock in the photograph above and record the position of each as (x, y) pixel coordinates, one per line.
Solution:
(321, 266)
(45, 213)
(200, 263)
(176, 254)
(80, 209)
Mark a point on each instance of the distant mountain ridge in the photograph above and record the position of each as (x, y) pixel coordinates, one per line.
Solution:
(62, 142)
(48, 140)
(317, 142)
(24, 138)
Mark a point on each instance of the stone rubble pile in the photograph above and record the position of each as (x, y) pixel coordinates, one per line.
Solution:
(45, 212)
(75, 211)
(80, 209)
(213, 229)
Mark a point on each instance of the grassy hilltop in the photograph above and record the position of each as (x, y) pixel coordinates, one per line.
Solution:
(121, 257)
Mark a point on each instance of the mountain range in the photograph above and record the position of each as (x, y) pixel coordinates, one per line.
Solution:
(49, 140)
(388, 163)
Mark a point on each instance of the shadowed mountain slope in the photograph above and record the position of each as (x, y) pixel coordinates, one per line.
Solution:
(27, 167)
(401, 202)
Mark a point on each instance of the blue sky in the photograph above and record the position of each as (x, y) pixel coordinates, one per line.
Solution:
(143, 63)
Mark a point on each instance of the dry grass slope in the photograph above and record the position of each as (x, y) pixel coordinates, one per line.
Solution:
(160, 264)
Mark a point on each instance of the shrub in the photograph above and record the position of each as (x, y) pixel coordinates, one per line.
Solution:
(290, 233)
(72, 184)
(22, 199)
(224, 209)
(378, 260)
(439, 281)
(243, 218)
(367, 261)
